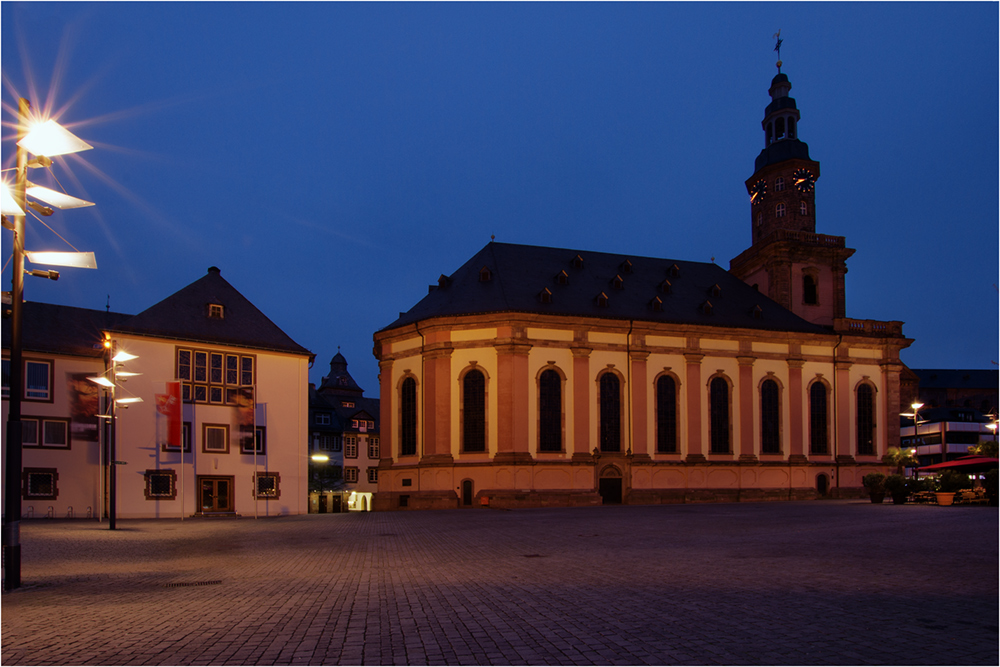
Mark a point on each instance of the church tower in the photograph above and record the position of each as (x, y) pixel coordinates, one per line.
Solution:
(787, 260)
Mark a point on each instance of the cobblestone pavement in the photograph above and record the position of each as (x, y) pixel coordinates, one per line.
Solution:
(823, 582)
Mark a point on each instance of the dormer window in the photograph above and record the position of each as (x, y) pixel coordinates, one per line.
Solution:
(347, 404)
(602, 300)
(757, 312)
(545, 296)
(485, 275)
(666, 287)
(617, 282)
(562, 278)
(443, 281)
(577, 262)
(715, 290)
(706, 308)
(216, 311)
(626, 266)
(656, 305)
(674, 271)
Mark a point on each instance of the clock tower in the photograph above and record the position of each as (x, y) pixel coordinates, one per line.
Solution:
(787, 260)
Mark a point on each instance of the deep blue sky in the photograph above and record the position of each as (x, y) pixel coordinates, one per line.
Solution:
(333, 159)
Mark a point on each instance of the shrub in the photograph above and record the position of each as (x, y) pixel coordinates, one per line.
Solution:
(953, 480)
(874, 482)
(990, 484)
(895, 484)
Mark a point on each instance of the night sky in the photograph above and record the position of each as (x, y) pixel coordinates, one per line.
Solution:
(334, 159)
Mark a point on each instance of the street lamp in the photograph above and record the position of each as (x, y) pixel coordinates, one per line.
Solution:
(916, 421)
(111, 385)
(43, 141)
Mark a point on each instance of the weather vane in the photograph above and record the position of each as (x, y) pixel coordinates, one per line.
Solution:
(777, 47)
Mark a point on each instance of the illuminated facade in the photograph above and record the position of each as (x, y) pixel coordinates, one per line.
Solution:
(539, 376)
(220, 349)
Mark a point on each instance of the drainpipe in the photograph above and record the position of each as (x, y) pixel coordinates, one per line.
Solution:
(423, 400)
(628, 382)
(836, 458)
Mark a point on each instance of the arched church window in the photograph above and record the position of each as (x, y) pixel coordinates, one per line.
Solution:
(779, 128)
(817, 419)
(779, 184)
(549, 412)
(779, 211)
(474, 412)
(666, 415)
(809, 295)
(611, 436)
(803, 208)
(770, 133)
(719, 406)
(408, 418)
(770, 418)
(866, 420)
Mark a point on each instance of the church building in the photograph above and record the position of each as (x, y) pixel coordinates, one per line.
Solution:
(536, 376)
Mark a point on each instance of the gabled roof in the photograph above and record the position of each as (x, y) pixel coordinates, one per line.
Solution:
(68, 330)
(184, 315)
(505, 277)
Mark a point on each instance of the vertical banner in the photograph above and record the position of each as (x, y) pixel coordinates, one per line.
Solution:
(168, 418)
(245, 419)
(84, 403)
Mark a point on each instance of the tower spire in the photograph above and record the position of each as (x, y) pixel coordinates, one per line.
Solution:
(777, 47)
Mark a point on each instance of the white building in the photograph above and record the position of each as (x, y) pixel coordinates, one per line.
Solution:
(218, 346)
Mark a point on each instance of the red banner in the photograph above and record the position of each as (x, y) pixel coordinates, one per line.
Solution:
(168, 417)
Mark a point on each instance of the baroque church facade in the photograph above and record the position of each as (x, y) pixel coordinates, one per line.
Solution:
(536, 376)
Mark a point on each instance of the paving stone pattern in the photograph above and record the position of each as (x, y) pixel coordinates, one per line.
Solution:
(822, 582)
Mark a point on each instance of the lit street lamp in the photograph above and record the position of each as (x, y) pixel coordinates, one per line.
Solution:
(43, 141)
(916, 421)
(113, 361)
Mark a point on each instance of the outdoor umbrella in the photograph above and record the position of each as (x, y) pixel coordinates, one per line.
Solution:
(965, 464)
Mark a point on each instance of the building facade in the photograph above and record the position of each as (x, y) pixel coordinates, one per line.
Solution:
(243, 390)
(546, 376)
(345, 444)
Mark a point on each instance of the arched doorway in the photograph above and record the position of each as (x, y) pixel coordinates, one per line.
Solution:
(822, 485)
(610, 486)
(467, 493)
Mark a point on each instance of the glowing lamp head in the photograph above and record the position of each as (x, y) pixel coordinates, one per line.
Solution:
(50, 139)
(123, 356)
(103, 381)
(322, 458)
(916, 406)
(9, 204)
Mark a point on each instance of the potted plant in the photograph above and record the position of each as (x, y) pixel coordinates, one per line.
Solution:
(949, 483)
(895, 486)
(875, 483)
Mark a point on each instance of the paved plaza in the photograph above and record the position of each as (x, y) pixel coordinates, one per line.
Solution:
(822, 582)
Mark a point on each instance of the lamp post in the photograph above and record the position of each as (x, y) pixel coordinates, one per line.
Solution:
(114, 360)
(49, 140)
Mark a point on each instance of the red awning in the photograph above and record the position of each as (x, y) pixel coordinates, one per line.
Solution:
(965, 464)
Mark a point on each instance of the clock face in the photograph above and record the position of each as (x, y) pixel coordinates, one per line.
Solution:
(758, 191)
(804, 180)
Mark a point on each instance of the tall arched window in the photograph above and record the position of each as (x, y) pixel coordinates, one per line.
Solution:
(719, 402)
(817, 419)
(770, 418)
(866, 420)
(809, 295)
(803, 208)
(408, 418)
(474, 412)
(611, 406)
(666, 415)
(549, 412)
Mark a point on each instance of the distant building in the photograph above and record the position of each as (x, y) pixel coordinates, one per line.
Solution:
(345, 428)
(243, 384)
(944, 434)
(945, 388)
(536, 376)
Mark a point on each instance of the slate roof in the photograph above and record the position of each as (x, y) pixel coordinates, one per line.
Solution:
(339, 380)
(935, 378)
(184, 316)
(52, 329)
(519, 273)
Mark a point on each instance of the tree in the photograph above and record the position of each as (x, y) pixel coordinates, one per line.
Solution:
(900, 458)
(988, 448)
